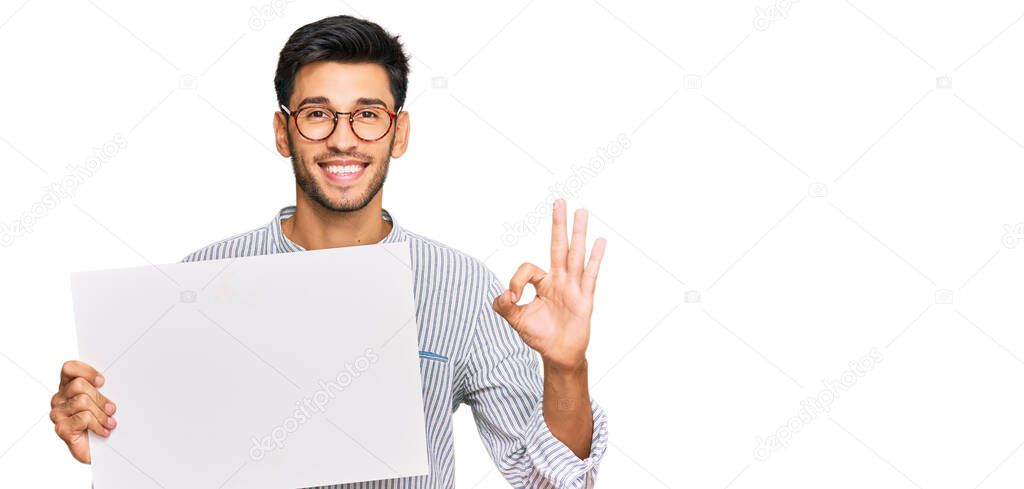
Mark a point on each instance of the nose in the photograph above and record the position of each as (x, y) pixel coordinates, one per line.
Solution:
(343, 139)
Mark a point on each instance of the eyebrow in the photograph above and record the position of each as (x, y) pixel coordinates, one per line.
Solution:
(361, 101)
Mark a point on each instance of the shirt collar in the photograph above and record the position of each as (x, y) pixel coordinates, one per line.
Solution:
(282, 244)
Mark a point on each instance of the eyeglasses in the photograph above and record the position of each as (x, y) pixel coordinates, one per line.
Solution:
(317, 123)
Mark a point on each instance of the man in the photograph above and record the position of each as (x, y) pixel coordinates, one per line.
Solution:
(341, 83)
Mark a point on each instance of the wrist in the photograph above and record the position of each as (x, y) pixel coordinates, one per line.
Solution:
(566, 370)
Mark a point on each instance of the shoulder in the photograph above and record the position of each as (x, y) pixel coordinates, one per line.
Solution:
(445, 261)
(247, 243)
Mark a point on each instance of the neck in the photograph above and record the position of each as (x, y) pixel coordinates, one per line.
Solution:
(315, 227)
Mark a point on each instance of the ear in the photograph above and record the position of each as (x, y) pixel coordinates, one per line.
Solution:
(281, 134)
(401, 135)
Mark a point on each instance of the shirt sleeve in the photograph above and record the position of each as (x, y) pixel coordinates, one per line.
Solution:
(504, 388)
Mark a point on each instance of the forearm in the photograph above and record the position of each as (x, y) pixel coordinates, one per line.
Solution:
(567, 410)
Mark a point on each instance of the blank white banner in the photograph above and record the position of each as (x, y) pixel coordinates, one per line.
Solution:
(277, 371)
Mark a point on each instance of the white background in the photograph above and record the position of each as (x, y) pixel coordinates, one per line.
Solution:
(814, 178)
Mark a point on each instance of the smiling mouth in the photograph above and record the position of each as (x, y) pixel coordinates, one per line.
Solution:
(343, 171)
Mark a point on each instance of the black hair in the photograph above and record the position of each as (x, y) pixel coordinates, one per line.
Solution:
(346, 39)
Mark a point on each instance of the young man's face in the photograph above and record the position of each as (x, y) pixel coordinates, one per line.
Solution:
(339, 86)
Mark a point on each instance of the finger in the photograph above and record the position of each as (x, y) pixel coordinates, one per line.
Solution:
(559, 243)
(593, 266)
(508, 309)
(79, 385)
(75, 368)
(505, 304)
(527, 273)
(81, 450)
(83, 403)
(72, 431)
(578, 247)
(73, 427)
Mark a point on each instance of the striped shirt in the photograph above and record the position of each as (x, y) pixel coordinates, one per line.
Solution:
(468, 354)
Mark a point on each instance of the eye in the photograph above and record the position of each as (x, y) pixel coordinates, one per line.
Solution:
(316, 115)
(368, 114)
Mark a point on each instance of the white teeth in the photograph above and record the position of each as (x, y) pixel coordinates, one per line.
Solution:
(344, 169)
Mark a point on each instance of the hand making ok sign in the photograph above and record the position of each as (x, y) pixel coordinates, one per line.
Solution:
(556, 323)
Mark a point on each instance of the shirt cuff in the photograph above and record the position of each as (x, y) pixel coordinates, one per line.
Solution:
(554, 461)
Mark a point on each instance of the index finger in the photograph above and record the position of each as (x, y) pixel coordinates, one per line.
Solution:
(559, 241)
(76, 368)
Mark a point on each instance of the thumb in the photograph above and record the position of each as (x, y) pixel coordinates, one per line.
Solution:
(79, 446)
(507, 308)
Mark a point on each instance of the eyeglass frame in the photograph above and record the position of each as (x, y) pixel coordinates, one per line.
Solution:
(334, 114)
